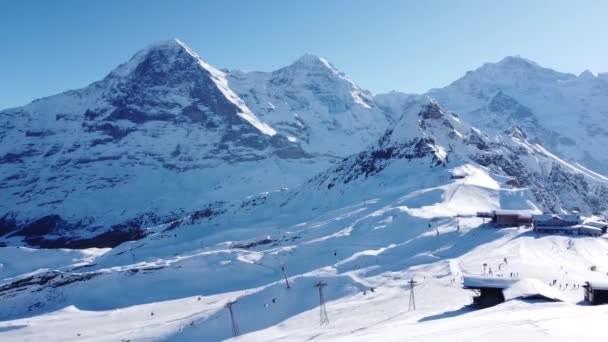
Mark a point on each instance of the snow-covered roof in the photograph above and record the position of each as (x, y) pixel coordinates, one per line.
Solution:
(594, 223)
(475, 282)
(514, 288)
(526, 288)
(545, 217)
(521, 213)
(588, 228)
(598, 285)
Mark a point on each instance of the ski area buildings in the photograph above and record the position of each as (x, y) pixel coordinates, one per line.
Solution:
(568, 224)
(571, 224)
(547, 223)
(490, 291)
(508, 218)
(596, 292)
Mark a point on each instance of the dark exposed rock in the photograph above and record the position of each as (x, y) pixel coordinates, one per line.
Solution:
(111, 130)
(431, 111)
(254, 244)
(11, 158)
(41, 226)
(74, 278)
(107, 239)
(37, 279)
(8, 223)
(98, 159)
(39, 133)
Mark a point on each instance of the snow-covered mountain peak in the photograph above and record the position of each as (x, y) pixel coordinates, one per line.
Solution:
(312, 102)
(510, 72)
(170, 72)
(162, 54)
(517, 61)
(312, 61)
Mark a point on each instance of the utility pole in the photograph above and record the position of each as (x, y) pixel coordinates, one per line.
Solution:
(235, 328)
(285, 275)
(324, 319)
(412, 304)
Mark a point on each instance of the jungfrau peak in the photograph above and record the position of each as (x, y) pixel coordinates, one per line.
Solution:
(563, 111)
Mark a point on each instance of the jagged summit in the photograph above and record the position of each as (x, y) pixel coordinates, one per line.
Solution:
(165, 52)
(168, 68)
(312, 102)
(307, 66)
(311, 60)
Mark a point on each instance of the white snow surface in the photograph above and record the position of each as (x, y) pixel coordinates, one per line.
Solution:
(172, 286)
(400, 208)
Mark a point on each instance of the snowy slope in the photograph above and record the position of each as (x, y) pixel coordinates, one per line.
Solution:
(315, 104)
(564, 111)
(150, 290)
(376, 219)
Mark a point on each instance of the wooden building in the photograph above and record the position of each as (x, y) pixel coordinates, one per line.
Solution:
(596, 292)
(508, 218)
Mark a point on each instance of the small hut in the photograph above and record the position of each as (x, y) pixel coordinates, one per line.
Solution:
(491, 291)
(488, 290)
(596, 292)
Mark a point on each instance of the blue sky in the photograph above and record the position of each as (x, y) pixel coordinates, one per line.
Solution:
(52, 46)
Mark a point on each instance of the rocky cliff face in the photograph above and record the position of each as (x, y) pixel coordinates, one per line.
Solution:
(160, 135)
(430, 137)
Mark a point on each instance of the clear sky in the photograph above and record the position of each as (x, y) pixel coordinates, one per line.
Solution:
(51, 46)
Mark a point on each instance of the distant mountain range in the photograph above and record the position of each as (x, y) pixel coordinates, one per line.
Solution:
(167, 136)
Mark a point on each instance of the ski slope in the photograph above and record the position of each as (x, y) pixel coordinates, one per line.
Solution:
(173, 285)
